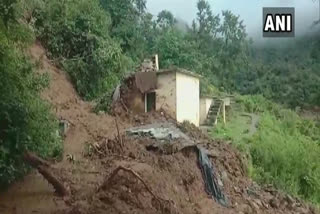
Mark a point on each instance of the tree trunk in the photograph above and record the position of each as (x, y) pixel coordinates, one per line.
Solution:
(44, 168)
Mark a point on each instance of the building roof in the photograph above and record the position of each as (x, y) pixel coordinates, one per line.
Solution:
(179, 70)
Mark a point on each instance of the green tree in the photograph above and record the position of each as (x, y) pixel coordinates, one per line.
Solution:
(166, 19)
(26, 122)
(7, 11)
(78, 33)
(127, 25)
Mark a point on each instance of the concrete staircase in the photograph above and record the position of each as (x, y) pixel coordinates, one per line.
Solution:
(214, 112)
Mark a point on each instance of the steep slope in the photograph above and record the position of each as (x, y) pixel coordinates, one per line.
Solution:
(33, 193)
(92, 152)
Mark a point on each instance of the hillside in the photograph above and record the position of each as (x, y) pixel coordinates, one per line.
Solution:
(174, 176)
(61, 61)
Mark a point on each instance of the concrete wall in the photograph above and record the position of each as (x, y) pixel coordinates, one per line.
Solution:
(188, 100)
(205, 104)
(166, 93)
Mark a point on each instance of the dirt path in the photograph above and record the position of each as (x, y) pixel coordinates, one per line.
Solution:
(33, 194)
(254, 123)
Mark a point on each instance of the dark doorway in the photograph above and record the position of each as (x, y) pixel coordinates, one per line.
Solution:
(151, 101)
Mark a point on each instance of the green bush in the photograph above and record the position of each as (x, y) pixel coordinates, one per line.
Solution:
(284, 151)
(25, 120)
(77, 33)
(284, 154)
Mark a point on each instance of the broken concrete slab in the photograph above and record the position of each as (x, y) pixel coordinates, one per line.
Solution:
(161, 131)
(166, 133)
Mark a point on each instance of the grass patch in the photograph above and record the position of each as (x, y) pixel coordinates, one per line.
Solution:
(284, 151)
(235, 130)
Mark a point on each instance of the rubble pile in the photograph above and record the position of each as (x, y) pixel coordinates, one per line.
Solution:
(163, 175)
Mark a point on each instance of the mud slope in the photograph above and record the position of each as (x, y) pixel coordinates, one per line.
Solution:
(33, 194)
(175, 178)
(162, 181)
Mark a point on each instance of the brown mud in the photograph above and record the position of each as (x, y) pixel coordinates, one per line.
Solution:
(158, 181)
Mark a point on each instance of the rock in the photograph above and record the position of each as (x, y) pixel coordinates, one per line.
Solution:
(237, 190)
(245, 208)
(252, 192)
(64, 127)
(213, 154)
(265, 205)
(235, 205)
(224, 175)
(258, 202)
(302, 210)
(274, 203)
(292, 206)
(289, 199)
(254, 206)
(220, 182)
(132, 155)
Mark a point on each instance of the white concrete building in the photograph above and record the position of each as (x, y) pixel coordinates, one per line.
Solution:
(178, 94)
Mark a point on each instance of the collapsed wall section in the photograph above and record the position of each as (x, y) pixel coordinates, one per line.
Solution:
(166, 93)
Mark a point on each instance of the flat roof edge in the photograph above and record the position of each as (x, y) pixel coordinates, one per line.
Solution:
(178, 70)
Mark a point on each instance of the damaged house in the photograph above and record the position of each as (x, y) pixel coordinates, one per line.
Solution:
(175, 91)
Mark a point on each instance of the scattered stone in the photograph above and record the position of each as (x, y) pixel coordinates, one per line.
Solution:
(289, 199)
(258, 202)
(254, 206)
(265, 205)
(224, 175)
(302, 210)
(64, 127)
(245, 208)
(274, 203)
(252, 191)
(237, 190)
(213, 154)
(132, 155)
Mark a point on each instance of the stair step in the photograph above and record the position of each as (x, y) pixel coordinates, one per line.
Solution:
(212, 115)
(213, 108)
(213, 112)
(211, 120)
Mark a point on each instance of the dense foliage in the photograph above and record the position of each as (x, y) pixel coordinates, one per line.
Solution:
(285, 149)
(98, 41)
(287, 73)
(77, 34)
(25, 120)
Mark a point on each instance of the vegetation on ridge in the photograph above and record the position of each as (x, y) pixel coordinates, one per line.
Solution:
(98, 41)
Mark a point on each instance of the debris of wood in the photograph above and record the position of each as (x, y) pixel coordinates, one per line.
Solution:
(43, 168)
(124, 106)
(106, 183)
(34, 160)
(119, 136)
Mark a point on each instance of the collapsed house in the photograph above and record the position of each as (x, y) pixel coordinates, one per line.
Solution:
(174, 91)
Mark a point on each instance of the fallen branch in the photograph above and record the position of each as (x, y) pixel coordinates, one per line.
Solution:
(34, 160)
(124, 106)
(43, 168)
(106, 183)
(119, 136)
